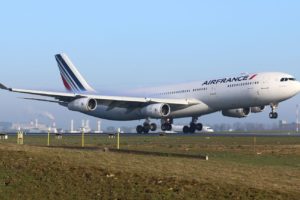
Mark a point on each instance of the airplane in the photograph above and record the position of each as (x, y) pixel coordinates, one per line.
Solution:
(235, 96)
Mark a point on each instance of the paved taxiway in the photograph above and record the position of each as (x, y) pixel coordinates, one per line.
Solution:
(217, 134)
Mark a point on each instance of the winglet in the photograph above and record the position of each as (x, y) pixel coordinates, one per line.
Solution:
(3, 87)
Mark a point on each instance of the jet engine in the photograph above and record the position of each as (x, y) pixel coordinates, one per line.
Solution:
(238, 113)
(83, 105)
(156, 110)
(257, 109)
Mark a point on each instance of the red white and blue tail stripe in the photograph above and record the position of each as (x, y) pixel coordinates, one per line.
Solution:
(72, 79)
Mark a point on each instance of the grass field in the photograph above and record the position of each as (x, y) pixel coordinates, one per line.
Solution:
(236, 169)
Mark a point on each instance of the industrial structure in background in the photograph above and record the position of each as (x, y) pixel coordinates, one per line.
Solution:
(285, 126)
(36, 127)
(85, 126)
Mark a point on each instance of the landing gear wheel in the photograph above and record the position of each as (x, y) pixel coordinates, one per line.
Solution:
(199, 126)
(147, 126)
(146, 131)
(186, 129)
(166, 124)
(169, 127)
(193, 125)
(139, 129)
(153, 127)
(192, 129)
(273, 115)
(270, 115)
(166, 127)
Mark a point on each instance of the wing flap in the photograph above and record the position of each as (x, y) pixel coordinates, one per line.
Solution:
(44, 93)
(141, 99)
(43, 100)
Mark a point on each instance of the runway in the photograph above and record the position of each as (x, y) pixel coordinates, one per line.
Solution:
(222, 134)
(216, 134)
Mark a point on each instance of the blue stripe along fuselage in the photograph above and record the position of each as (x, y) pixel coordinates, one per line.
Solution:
(59, 57)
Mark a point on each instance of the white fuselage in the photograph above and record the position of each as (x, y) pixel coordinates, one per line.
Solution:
(214, 95)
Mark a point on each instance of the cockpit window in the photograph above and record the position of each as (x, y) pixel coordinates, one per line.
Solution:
(287, 79)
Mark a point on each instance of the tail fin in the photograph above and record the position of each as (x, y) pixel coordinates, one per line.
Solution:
(72, 79)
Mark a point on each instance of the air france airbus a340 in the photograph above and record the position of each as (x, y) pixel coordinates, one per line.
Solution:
(236, 96)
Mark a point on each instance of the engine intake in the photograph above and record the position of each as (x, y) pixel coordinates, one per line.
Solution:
(83, 105)
(237, 113)
(156, 110)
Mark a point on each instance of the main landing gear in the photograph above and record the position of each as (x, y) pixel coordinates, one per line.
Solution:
(166, 124)
(273, 114)
(193, 126)
(146, 127)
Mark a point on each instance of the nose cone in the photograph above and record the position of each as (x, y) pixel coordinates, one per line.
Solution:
(298, 87)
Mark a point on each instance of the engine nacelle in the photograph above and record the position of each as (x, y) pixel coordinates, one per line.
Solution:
(156, 110)
(83, 105)
(238, 113)
(257, 109)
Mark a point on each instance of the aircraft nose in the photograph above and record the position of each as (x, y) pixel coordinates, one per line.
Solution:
(298, 86)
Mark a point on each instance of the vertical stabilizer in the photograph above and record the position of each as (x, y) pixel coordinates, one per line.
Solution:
(72, 79)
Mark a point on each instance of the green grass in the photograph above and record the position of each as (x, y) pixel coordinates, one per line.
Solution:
(274, 151)
(236, 169)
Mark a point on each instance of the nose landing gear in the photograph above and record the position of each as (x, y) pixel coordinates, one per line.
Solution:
(273, 114)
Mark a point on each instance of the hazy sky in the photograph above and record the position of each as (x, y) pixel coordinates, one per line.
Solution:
(127, 44)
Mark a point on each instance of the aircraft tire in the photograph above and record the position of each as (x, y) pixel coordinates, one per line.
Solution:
(192, 129)
(146, 131)
(164, 127)
(199, 127)
(153, 127)
(139, 129)
(273, 115)
(186, 129)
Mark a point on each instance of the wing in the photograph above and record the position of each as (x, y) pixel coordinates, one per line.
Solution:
(112, 101)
